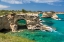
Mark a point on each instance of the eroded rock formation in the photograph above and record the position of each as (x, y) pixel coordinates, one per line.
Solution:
(32, 21)
(50, 15)
(10, 21)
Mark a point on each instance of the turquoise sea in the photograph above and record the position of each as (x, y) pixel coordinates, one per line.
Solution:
(42, 36)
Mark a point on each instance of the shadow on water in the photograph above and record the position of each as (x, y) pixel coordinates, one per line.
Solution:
(49, 23)
(61, 16)
(21, 24)
(62, 19)
(22, 27)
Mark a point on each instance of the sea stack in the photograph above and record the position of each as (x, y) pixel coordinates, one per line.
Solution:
(50, 15)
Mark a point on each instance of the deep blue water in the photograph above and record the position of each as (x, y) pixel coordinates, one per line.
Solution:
(41, 36)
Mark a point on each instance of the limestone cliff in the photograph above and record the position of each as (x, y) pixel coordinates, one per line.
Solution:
(54, 16)
(47, 14)
(4, 23)
(10, 21)
(50, 15)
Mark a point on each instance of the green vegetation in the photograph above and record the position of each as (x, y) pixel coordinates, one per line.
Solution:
(24, 11)
(3, 12)
(52, 11)
(9, 38)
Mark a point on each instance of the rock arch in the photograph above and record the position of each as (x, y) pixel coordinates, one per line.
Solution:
(13, 18)
(21, 23)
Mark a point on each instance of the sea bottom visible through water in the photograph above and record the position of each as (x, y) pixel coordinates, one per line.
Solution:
(42, 36)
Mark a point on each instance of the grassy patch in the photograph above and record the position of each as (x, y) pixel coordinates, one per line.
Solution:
(9, 38)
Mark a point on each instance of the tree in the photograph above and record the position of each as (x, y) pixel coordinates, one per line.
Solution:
(30, 11)
(39, 11)
(24, 11)
(46, 12)
(52, 11)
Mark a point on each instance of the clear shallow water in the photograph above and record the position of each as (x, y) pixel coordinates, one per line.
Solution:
(40, 36)
(21, 22)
